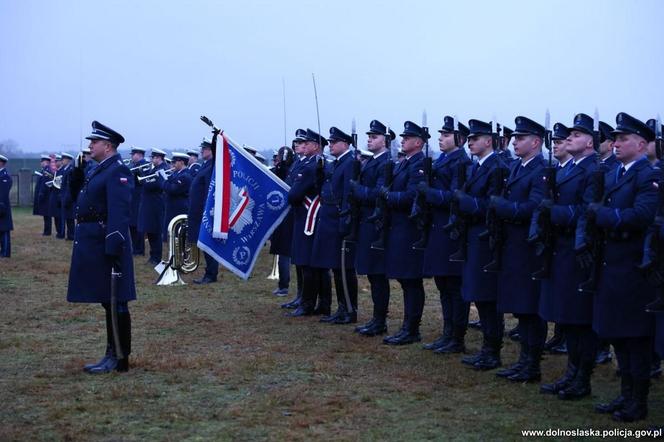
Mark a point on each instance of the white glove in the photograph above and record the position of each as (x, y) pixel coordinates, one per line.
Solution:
(162, 174)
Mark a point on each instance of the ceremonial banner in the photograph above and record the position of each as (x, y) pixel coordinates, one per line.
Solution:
(245, 203)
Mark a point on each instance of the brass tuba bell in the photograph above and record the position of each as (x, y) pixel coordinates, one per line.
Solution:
(182, 256)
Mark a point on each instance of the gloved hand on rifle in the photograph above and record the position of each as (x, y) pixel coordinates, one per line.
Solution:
(353, 190)
(422, 188)
(546, 205)
(383, 193)
(116, 263)
(467, 204)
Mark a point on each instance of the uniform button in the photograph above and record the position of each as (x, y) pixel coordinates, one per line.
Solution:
(604, 263)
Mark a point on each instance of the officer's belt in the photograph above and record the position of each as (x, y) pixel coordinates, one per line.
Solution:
(619, 236)
(91, 219)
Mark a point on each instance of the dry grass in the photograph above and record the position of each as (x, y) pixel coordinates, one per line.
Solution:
(221, 362)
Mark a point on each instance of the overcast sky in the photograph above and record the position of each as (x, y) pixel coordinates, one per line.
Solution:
(149, 69)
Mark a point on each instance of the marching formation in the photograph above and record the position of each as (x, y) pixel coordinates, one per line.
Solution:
(572, 239)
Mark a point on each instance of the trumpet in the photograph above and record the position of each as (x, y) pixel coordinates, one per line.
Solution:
(44, 173)
(153, 176)
(126, 161)
(55, 182)
(142, 168)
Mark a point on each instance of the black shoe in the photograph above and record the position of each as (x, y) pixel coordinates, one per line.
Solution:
(378, 328)
(454, 346)
(472, 359)
(636, 407)
(529, 373)
(559, 349)
(102, 361)
(369, 324)
(111, 364)
(603, 357)
(441, 341)
(611, 407)
(321, 311)
(398, 335)
(204, 280)
(489, 361)
(329, 319)
(578, 388)
(555, 341)
(405, 338)
(477, 325)
(346, 318)
(562, 383)
(511, 370)
(292, 304)
(300, 311)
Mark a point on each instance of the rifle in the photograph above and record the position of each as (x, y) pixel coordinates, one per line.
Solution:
(458, 224)
(354, 204)
(541, 228)
(381, 215)
(593, 236)
(420, 210)
(494, 225)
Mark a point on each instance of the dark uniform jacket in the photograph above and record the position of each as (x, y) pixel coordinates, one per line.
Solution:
(303, 190)
(102, 235)
(401, 260)
(42, 193)
(151, 211)
(370, 261)
(66, 198)
(478, 285)
(6, 222)
(331, 228)
(198, 193)
(194, 169)
(54, 203)
(560, 300)
(524, 190)
(176, 191)
(630, 205)
(441, 246)
(282, 237)
(136, 194)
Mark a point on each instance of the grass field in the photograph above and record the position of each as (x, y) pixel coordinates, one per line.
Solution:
(221, 362)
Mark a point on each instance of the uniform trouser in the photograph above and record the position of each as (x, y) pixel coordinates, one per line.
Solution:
(582, 344)
(211, 267)
(351, 284)
(298, 275)
(634, 356)
(316, 283)
(47, 226)
(137, 241)
(491, 320)
(455, 309)
(283, 264)
(532, 331)
(5, 244)
(59, 227)
(155, 245)
(413, 302)
(71, 227)
(380, 295)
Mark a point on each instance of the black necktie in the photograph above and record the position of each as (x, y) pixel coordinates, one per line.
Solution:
(621, 172)
(473, 170)
(570, 167)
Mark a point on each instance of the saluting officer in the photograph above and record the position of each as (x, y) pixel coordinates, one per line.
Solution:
(198, 193)
(193, 165)
(176, 189)
(478, 286)
(103, 245)
(403, 262)
(66, 197)
(6, 223)
(298, 162)
(629, 206)
(518, 293)
(41, 194)
(303, 196)
(560, 300)
(368, 261)
(151, 209)
(331, 229)
(137, 236)
(446, 274)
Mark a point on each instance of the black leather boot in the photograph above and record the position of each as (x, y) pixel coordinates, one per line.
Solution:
(369, 324)
(580, 386)
(516, 367)
(292, 304)
(618, 403)
(456, 344)
(531, 372)
(341, 311)
(556, 340)
(491, 358)
(109, 344)
(379, 327)
(409, 334)
(441, 341)
(635, 409)
(561, 383)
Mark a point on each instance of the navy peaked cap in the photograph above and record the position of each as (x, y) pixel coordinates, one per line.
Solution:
(337, 134)
(478, 127)
(411, 129)
(627, 124)
(300, 135)
(206, 144)
(526, 126)
(101, 132)
(315, 137)
(136, 149)
(378, 128)
(583, 123)
(560, 132)
(450, 125)
(605, 132)
(192, 152)
(652, 123)
(507, 132)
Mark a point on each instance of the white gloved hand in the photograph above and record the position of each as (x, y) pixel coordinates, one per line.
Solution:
(162, 174)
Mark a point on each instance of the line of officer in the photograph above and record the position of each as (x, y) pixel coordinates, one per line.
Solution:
(402, 261)
(6, 223)
(151, 208)
(176, 188)
(102, 243)
(446, 273)
(303, 196)
(66, 197)
(370, 261)
(137, 236)
(42, 193)
(331, 228)
(197, 197)
(478, 286)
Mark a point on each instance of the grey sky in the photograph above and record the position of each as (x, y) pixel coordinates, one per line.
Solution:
(149, 69)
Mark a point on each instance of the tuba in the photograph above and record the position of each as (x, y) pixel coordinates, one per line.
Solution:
(182, 256)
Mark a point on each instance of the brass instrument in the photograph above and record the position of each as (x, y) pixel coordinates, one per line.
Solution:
(55, 182)
(142, 168)
(153, 176)
(126, 161)
(44, 173)
(182, 256)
